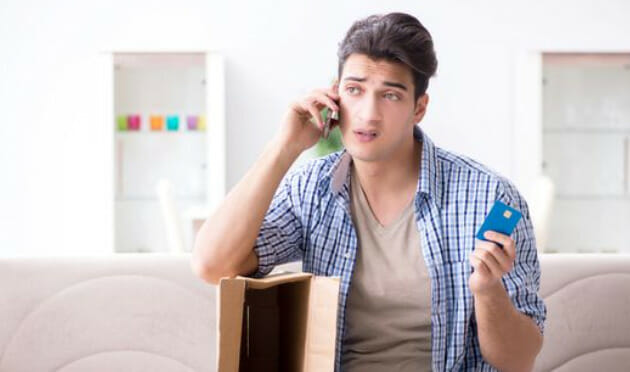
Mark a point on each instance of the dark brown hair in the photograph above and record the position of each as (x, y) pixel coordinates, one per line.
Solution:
(396, 37)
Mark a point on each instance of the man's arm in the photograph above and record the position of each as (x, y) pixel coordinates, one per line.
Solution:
(224, 245)
(509, 339)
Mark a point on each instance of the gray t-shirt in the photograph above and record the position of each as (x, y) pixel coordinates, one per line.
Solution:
(388, 312)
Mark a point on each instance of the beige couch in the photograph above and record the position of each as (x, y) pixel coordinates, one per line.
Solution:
(149, 313)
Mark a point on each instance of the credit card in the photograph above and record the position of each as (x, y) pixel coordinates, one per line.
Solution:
(502, 219)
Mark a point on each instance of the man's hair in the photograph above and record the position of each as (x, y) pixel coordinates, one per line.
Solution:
(395, 37)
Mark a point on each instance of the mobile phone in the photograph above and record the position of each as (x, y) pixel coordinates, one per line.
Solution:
(330, 116)
(502, 219)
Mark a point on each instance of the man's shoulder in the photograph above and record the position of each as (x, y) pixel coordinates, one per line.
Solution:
(305, 179)
(316, 169)
(457, 168)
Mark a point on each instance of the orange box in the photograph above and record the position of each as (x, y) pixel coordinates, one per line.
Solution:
(157, 122)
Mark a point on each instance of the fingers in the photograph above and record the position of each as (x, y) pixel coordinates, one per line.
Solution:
(479, 266)
(312, 107)
(328, 97)
(504, 240)
(332, 93)
(316, 101)
(489, 260)
(504, 261)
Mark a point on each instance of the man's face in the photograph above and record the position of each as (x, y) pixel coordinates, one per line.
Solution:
(378, 110)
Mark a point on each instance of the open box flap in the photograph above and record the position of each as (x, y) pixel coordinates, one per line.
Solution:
(321, 328)
(273, 279)
(230, 298)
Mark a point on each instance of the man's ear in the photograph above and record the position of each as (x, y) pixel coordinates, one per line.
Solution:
(421, 107)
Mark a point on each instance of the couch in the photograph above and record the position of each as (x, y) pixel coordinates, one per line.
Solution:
(148, 312)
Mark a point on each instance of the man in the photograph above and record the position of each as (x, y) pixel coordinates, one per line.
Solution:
(393, 215)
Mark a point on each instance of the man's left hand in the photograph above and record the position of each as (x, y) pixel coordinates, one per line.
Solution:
(490, 262)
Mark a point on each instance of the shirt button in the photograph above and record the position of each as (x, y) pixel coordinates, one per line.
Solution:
(347, 255)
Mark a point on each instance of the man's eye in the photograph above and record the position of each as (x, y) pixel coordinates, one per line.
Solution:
(392, 96)
(352, 90)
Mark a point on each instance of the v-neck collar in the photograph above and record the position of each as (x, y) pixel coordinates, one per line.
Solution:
(364, 205)
(337, 180)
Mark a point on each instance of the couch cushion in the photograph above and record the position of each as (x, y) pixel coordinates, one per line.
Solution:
(131, 312)
(588, 312)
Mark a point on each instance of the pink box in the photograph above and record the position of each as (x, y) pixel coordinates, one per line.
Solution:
(133, 122)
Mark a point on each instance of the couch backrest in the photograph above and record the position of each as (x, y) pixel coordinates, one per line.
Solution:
(588, 312)
(127, 312)
(148, 312)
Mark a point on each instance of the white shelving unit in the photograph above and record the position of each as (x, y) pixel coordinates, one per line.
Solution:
(165, 84)
(586, 149)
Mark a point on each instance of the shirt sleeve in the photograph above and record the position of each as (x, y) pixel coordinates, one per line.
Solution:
(523, 282)
(280, 237)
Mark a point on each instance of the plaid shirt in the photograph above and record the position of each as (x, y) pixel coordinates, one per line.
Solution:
(309, 219)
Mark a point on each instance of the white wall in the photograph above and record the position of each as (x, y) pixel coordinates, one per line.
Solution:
(54, 181)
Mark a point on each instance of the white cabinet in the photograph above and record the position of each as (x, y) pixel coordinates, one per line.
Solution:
(585, 140)
(586, 164)
(169, 128)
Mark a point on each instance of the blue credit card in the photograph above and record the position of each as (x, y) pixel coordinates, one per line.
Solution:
(502, 219)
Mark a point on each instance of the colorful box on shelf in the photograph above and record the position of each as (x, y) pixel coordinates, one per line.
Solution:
(172, 122)
(121, 122)
(157, 122)
(133, 122)
(191, 122)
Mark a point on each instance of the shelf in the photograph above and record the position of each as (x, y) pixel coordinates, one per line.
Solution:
(147, 199)
(587, 130)
(159, 132)
(592, 197)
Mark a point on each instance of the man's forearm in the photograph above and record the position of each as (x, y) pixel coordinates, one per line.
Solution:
(228, 236)
(509, 339)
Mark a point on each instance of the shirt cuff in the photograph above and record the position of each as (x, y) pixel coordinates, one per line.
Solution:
(266, 257)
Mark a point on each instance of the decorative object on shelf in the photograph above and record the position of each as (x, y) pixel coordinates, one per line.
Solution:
(172, 122)
(121, 122)
(201, 123)
(191, 122)
(133, 122)
(157, 122)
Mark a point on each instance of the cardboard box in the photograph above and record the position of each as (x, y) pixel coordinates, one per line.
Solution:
(282, 322)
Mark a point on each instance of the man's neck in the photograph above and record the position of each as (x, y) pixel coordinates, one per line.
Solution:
(397, 175)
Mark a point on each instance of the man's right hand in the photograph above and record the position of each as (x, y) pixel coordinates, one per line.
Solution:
(298, 133)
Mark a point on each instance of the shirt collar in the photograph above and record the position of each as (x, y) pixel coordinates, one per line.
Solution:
(429, 182)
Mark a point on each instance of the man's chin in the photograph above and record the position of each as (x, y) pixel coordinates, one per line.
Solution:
(363, 154)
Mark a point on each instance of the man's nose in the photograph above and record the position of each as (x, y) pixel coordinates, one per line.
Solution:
(369, 109)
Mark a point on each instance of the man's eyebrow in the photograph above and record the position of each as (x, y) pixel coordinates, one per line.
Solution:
(388, 83)
(395, 85)
(354, 78)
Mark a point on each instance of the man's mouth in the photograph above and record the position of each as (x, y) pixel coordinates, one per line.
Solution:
(370, 132)
(365, 135)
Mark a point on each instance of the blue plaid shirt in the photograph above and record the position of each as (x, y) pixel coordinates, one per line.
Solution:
(309, 219)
